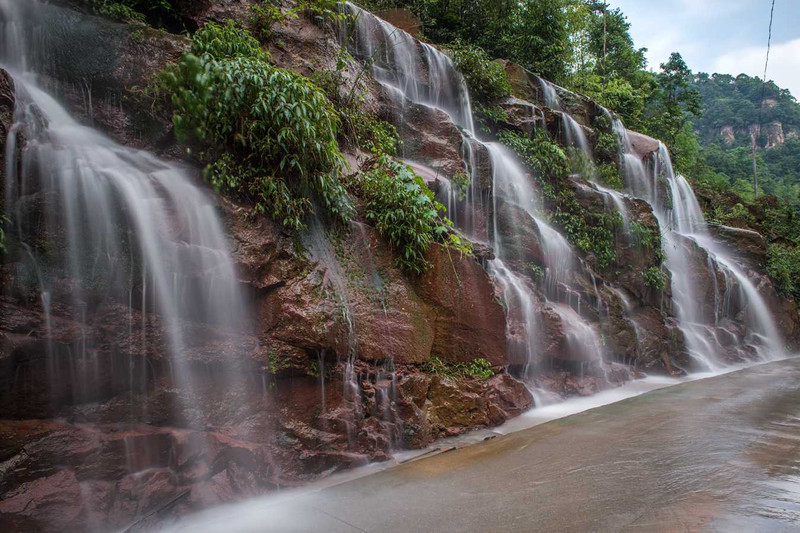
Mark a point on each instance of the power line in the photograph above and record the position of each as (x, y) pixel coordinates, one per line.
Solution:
(761, 103)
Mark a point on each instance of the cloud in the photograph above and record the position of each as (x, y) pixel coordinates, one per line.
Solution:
(784, 63)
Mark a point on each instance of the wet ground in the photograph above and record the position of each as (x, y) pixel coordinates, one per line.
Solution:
(719, 454)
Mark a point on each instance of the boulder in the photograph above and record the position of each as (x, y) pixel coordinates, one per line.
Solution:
(748, 246)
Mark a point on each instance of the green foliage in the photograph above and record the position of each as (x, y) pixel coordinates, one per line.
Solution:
(589, 231)
(539, 152)
(609, 175)
(783, 266)
(607, 146)
(738, 215)
(476, 369)
(259, 122)
(360, 127)
(644, 236)
(373, 134)
(487, 80)
(116, 11)
(403, 210)
(461, 182)
(158, 13)
(669, 110)
(537, 273)
(265, 14)
(655, 278)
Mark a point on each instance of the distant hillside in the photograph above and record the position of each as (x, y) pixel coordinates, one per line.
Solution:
(735, 109)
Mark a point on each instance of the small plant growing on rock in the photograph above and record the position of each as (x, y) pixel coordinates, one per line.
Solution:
(265, 14)
(607, 146)
(655, 278)
(461, 181)
(487, 80)
(609, 175)
(403, 210)
(644, 236)
(540, 153)
(476, 369)
(783, 266)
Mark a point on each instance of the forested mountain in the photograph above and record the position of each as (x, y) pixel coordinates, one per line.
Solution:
(735, 109)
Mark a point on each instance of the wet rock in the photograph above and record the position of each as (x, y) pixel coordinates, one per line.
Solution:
(402, 18)
(468, 320)
(430, 137)
(748, 246)
(642, 145)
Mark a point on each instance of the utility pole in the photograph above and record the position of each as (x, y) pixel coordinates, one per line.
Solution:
(757, 130)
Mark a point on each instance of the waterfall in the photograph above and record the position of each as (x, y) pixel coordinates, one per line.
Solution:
(409, 69)
(416, 72)
(685, 234)
(123, 228)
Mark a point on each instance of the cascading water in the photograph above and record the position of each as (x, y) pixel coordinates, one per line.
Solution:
(122, 229)
(512, 185)
(416, 72)
(713, 338)
(409, 69)
(574, 135)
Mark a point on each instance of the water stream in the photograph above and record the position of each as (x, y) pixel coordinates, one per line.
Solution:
(124, 229)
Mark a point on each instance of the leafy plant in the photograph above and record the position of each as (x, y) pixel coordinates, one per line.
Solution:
(609, 175)
(655, 278)
(116, 10)
(461, 181)
(541, 154)
(644, 236)
(487, 80)
(492, 113)
(591, 232)
(537, 272)
(265, 14)
(403, 210)
(272, 132)
(476, 369)
(783, 266)
(607, 146)
(360, 127)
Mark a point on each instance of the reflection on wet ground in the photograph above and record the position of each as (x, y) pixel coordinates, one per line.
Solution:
(720, 454)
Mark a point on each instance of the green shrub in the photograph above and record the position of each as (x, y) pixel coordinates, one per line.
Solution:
(265, 14)
(589, 231)
(487, 80)
(116, 10)
(476, 369)
(539, 152)
(608, 174)
(645, 237)
(261, 122)
(607, 146)
(403, 209)
(783, 266)
(655, 278)
(360, 127)
(537, 273)
(461, 182)
(492, 113)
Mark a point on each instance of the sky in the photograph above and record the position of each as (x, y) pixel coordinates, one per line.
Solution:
(725, 36)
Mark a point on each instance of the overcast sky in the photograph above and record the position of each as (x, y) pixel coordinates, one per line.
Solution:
(727, 36)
